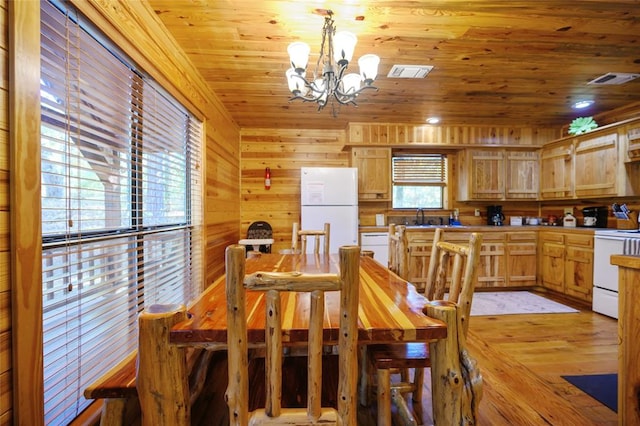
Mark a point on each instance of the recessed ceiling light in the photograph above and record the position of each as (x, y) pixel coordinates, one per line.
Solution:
(582, 104)
(433, 120)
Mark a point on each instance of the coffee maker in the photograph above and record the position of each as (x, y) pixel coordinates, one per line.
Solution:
(494, 215)
(599, 213)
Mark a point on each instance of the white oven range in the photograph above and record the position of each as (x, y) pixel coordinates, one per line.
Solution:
(605, 275)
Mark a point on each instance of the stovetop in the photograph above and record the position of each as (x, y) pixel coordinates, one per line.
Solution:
(622, 233)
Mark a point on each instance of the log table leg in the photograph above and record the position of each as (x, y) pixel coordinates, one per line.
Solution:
(456, 383)
(162, 378)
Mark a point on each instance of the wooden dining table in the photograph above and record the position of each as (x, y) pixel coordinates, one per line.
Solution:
(390, 310)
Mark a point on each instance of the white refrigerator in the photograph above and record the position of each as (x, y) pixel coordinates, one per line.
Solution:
(330, 194)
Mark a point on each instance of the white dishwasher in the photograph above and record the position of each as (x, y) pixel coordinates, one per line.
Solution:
(378, 242)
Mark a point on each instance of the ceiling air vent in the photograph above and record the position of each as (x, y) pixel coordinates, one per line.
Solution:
(614, 78)
(409, 71)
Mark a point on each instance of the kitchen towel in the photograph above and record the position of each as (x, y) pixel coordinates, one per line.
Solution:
(631, 247)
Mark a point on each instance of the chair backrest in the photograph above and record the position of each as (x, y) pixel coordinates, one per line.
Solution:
(237, 395)
(302, 235)
(459, 262)
(260, 230)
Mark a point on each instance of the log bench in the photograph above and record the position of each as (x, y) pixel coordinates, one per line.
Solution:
(118, 387)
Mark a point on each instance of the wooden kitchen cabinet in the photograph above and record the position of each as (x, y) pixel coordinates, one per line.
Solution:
(481, 174)
(596, 165)
(374, 173)
(567, 263)
(490, 174)
(556, 170)
(419, 255)
(579, 266)
(492, 270)
(521, 258)
(522, 174)
(552, 260)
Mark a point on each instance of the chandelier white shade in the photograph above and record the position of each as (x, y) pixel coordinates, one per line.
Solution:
(328, 81)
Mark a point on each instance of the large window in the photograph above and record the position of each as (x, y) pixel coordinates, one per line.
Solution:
(121, 213)
(419, 181)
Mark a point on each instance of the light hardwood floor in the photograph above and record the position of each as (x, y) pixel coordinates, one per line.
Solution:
(522, 359)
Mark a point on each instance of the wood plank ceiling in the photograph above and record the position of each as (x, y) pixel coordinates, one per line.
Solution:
(495, 62)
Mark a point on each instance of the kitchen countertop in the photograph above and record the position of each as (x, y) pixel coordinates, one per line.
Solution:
(488, 228)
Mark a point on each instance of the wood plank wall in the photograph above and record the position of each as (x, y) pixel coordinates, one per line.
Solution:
(416, 135)
(285, 152)
(5, 283)
(135, 28)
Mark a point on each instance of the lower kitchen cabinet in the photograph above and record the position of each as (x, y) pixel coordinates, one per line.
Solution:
(419, 254)
(578, 270)
(522, 257)
(552, 263)
(560, 260)
(491, 270)
(567, 263)
(506, 258)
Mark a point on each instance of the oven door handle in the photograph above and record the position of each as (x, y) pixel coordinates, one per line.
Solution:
(611, 237)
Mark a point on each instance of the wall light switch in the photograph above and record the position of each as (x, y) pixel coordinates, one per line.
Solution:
(568, 210)
(477, 212)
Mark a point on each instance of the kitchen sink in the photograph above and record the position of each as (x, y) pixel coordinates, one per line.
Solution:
(436, 226)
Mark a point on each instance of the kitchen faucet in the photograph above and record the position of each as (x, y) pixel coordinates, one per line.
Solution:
(420, 212)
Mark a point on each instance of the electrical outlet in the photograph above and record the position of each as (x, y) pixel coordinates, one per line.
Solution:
(477, 212)
(568, 210)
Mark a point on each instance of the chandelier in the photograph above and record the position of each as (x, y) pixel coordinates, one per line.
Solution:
(329, 81)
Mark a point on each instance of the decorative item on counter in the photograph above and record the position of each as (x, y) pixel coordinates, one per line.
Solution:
(533, 221)
(569, 221)
(515, 221)
(582, 125)
(454, 218)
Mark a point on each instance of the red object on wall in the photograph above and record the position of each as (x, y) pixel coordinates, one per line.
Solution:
(267, 178)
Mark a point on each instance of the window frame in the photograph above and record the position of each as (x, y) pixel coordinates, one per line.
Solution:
(416, 181)
(138, 231)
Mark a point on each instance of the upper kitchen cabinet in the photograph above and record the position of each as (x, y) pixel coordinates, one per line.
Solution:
(490, 174)
(592, 165)
(584, 166)
(374, 173)
(556, 170)
(523, 180)
(595, 162)
(630, 158)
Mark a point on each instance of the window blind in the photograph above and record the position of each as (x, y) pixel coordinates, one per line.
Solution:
(121, 209)
(414, 169)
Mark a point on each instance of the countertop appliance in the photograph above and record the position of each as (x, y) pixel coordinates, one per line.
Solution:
(605, 275)
(494, 215)
(599, 213)
(330, 194)
(378, 242)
